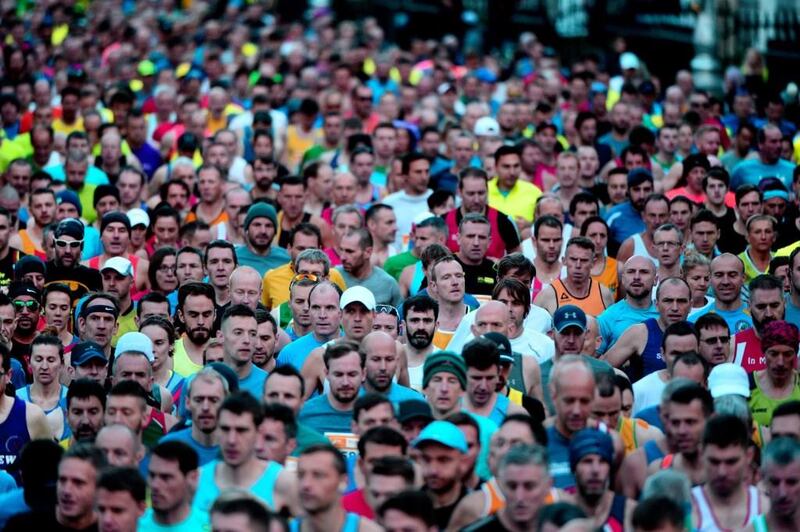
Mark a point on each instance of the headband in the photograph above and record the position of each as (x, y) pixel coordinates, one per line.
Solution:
(99, 307)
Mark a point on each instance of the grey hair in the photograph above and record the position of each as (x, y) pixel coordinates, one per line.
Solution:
(314, 256)
(671, 484)
(673, 386)
(347, 209)
(208, 374)
(670, 227)
(525, 455)
(734, 405)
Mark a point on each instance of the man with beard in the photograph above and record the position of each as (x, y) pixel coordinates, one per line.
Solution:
(685, 415)
(117, 275)
(172, 478)
(482, 360)
(205, 393)
(196, 311)
(333, 411)
(642, 342)
(115, 234)
(43, 212)
(355, 250)
(766, 305)
(8, 255)
(638, 276)
(66, 267)
(419, 323)
(381, 368)
(266, 341)
(291, 198)
(78, 473)
(591, 456)
(321, 473)
(525, 483)
(259, 230)
(381, 222)
(474, 192)
(625, 220)
(26, 300)
(238, 420)
(239, 330)
(726, 501)
(442, 448)
(780, 471)
(86, 403)
(779, 381)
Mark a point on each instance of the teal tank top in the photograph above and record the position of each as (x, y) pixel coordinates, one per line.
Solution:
(350, 523)
(207, 490)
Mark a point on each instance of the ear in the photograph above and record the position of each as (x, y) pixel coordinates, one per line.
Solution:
(191, 479)
(141, 507)
(81, 325)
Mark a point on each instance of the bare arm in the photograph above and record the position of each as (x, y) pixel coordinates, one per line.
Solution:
(629, 344)
(646, 434)
(38, 428)
(406, 276)
(325, 230)
(625, 251)
(671, 179)
(313, 371)
(285, 493)
(546, 299)
(141, 274)
(533, 377)
(608, 299)
(402, 365)
(632, 474)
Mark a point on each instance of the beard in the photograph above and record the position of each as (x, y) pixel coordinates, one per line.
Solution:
(198, 335)
(760, 324)
(420, 340)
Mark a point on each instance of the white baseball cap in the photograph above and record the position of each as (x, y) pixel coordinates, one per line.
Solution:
(138, 217)
(358, 294)
(121, 265)
(727, 379)
(135, 342)
(487, 127)
(628, 60)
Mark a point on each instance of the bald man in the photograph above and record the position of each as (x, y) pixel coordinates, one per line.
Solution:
(245, 287)
(572, 387)
(641, 343)
(524, 373)
(638, 276)
(382, 368)
(120, 445)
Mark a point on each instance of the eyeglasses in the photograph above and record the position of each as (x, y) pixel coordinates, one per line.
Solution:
(386, 309)
(667, 243)
(167, 269)
(32, 306)
(716, 340)
(74, 244)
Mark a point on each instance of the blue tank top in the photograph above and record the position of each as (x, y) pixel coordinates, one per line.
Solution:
(351, 521)
(652, 452)
(498, 413)
(651, 355)
(14, 436)
(558, 456)
(25, 395)
(207, 490)
(416, 280)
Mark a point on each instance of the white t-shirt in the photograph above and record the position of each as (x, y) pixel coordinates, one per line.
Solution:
(538, 320)
(406, 208)
(647, 391)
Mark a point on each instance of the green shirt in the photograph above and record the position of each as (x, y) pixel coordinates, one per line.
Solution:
(394, 265)
(306, 437)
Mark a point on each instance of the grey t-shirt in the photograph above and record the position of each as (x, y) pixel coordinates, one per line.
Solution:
(381, 284)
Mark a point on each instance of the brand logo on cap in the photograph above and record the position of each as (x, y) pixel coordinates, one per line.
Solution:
(571, 315)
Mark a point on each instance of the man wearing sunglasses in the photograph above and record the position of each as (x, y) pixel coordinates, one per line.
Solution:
(26, 300)
(66, 267)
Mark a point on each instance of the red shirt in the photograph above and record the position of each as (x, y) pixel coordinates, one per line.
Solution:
(355, 502)
(747, 351)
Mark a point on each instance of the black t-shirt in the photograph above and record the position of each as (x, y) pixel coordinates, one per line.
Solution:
(487, 524)
(506, 228)
(730, 241)
(80, 279)
(29, 521)
(480, 279)
(788, 233)
(442, 515)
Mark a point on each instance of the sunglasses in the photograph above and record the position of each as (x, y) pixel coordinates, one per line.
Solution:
(32, 306)
(386, 309)
(74, 244)
(304, 277)
(716, 340)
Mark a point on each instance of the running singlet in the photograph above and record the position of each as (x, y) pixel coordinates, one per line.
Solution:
(652, 452)
(14, 435)
(747, 350)
(626, 427)
(615, 522)
(762, 405)
(351, 522)
(707, 521)
(208, 491)
(592, 304)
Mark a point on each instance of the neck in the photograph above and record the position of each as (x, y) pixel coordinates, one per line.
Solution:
(450, 311)
(332, 518)
(717, 210)
(447, 498)
(736, 498)
(592, 505)
(78, 523)
(467, 260)
(4, 251)
(728, 305)
(759, 256)
(795, 297)
(211, 206)
(326, 337)
(301, 330)
(418, 353)
(777, 523)
(665, 272)
(546, 267)
(263, 253)
(289, 222)
(339, 405)
(173, 516)
(363, 272)
(642, 302)
(223, 295)
(665, 158)
(242, 370)
(240, 475)
(516, 526)
(411, 192)
(779, 383)
(47, 390)
(577, 288)
(207, 439)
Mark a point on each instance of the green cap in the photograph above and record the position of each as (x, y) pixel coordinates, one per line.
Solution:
(447, 362)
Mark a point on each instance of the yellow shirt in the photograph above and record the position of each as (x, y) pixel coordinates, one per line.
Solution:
(60, 127)
(181, 363)
(297, 143)
(519, 202)
(125, 323)
(276, 282)
(9, 150)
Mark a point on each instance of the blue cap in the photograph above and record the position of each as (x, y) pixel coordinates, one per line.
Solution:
(443, 433)
(569, 316)
(598, 87)
(68, 196)
(86, 351)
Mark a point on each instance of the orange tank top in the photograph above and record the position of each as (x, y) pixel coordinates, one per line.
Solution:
(495, 501)
(28, 246)
(592, 304)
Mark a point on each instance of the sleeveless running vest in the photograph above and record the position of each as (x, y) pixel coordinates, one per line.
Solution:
(707, 521)
(208, 491)
(14, 436)
(156, 427)
(615, 522)
(640, 248)
(497, 247)
(652, 452)
(282, 236)
(651, 360)
(592, 304)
